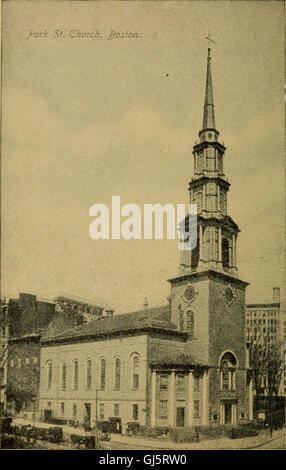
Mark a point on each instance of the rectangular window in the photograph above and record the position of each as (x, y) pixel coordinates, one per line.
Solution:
(64, 376)
(102, 374)
(101, 410)
(197, 383)
(196, 408)
(74, 410)
(88, 374)
(135, 412)
(19, 363)
(180, 382)
(62, 408)
(164, 381)
(116, 409)
(163, 409)
(27, 361)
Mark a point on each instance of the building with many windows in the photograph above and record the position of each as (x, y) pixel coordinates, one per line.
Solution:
(28, 319)
(266, 320)
(179, 365)
(263, 319)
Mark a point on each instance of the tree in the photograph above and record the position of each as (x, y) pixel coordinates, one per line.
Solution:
(266, 361)
(19, 396)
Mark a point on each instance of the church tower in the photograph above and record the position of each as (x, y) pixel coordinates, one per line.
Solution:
(217, 232)
(207, 297)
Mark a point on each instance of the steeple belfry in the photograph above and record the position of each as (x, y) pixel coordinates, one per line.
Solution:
(217, 232)
(209, 115)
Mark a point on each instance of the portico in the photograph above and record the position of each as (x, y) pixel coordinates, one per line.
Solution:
(179, 396)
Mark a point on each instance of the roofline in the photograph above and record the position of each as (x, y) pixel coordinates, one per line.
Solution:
(26, 337)
(207, 274)
(146, 329)
(178, 365)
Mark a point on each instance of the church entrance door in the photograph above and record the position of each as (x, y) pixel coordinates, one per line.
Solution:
(227, 408)
(86, 419)
(180, 419)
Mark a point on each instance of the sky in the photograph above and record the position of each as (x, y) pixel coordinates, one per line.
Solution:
(85, 119)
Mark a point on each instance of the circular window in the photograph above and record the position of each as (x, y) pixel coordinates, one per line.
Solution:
(189, 293)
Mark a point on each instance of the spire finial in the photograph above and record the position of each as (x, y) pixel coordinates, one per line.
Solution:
(209, 117)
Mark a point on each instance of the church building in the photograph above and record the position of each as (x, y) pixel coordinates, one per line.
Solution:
(180, 365)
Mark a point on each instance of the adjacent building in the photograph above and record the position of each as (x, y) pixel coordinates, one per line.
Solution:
(179, 365)
(29, 318)
(263, 319)
(267, 320)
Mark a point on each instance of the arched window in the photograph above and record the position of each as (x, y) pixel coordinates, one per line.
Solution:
(102, 374)
(117, 374)
(195, 253)
(64, 376)
(88, 374)
(181, 318)
(225, 252)
(190, 322)
(135, 372)
(75, 375)
(49, 374)
(228, 366)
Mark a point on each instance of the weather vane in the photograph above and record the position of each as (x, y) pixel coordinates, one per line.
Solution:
(209, 39)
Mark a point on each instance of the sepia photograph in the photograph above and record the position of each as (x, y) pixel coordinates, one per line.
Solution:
(143, 228)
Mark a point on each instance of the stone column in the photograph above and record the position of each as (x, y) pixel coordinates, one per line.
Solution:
(218, 197)
(192, 196)
(219, 244)
(212, 232)
(233, 250)
(215, 159)
(229, 379)
(153, 398)
(204, 197)
(172, 400)
(250, 401)
(222, 413)
(233, 413)
(230, 252)
(201, 243)
(190, 398)
(205, 402)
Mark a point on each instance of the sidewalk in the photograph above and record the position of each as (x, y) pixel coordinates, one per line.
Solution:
(222, 443)
(134, 442)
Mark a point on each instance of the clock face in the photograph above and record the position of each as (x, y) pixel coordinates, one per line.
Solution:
(189, 293)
